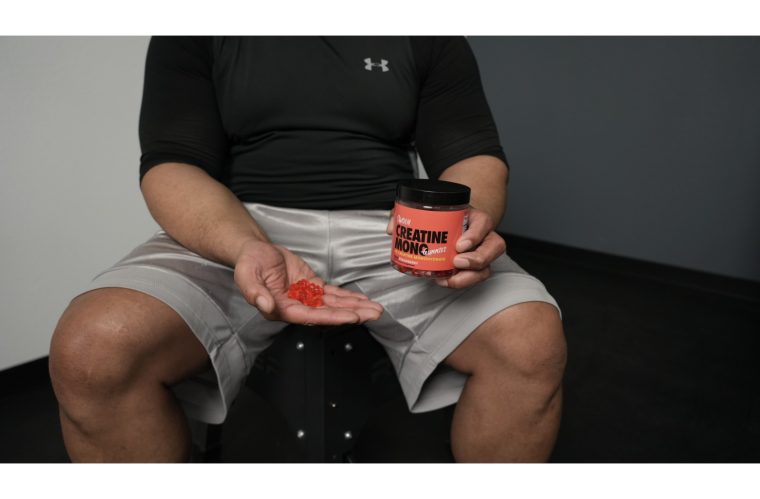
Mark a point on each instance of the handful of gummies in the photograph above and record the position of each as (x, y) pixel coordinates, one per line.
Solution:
(307, 293)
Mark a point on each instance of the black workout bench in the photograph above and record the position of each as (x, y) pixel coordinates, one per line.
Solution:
(333, 396)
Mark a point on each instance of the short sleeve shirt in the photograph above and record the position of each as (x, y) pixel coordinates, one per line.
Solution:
(314, 122)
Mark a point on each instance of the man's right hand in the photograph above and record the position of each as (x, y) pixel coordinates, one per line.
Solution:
(264, 272)
(206, 217)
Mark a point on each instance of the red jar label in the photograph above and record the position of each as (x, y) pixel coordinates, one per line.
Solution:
(426, 239)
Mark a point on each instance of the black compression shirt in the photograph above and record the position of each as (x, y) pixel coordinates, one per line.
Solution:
(323, 123)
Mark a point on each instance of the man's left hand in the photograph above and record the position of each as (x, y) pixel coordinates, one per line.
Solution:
(477, 248)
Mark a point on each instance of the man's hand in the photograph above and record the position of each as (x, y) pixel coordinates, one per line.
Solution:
(477, 248)
(264, 271)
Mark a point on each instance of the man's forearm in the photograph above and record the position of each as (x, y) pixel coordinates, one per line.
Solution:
(487, 178)
(199, 212)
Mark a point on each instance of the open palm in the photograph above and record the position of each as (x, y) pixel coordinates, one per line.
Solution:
(265, 271)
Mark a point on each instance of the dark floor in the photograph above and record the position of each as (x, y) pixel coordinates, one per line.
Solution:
(663, 367)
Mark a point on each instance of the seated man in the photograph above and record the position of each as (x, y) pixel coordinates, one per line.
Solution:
(270, 160)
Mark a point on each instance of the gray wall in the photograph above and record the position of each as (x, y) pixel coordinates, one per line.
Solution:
(641, 147)
(69, 198)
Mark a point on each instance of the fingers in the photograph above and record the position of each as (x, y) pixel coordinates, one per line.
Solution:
(465, 279)
(350, 302)
(335, 290)
(341, 306)
(330, 314)
(492, 247)
(366, 309)
(480, 225)
(298, 313)
(344, 298)
(260, 297)
(475, 265)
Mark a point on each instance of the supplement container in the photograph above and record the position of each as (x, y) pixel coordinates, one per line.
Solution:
(430, 216)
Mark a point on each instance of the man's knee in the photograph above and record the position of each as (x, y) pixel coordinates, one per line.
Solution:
(91, 355)
(526, 340)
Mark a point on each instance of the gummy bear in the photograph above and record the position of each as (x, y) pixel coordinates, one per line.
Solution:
(307, 293)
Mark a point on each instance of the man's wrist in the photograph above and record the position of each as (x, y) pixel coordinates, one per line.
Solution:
(252, 244)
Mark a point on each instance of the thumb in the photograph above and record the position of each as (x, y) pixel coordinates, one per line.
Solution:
(389, 228)
(260, 297)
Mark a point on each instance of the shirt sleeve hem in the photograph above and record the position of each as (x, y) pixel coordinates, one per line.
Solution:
(156, 159)
(437, 169)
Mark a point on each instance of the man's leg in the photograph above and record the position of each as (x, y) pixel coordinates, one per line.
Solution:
(511, 404)
(113, 356)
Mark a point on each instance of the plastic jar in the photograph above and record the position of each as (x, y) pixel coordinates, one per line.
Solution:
(430, 216)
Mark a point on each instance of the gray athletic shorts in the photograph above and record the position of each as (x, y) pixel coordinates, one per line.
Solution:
(422, 323)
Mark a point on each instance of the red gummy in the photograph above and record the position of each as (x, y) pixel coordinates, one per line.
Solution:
(307, 293)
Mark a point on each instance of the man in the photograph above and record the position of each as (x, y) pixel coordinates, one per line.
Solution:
(268, 160)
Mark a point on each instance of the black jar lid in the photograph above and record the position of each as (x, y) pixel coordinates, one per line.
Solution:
(432, 192)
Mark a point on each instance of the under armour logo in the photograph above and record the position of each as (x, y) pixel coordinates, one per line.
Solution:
(370, 65)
